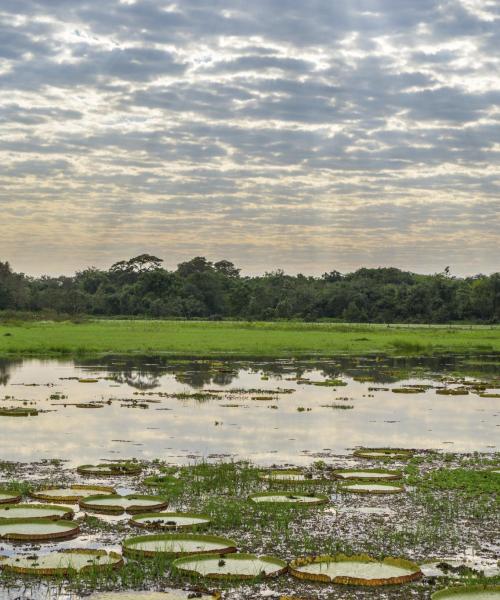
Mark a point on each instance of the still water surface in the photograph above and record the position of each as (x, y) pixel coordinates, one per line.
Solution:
(235, 424)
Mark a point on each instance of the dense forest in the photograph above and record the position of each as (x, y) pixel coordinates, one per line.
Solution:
(199, 288)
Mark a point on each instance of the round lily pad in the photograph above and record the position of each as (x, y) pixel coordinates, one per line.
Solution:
(6, 498)
(110, 469)
(288, 498)
(383, 453)
(371, 487)
(368, 474)
(115, 504)
(170, 520)
(71, 494)
(35, 511)
(167, 595)
(176, 544)
(355, 570)
(62, 562)
(468, 592)
(230, 566)
(288, 476)
(37, 529)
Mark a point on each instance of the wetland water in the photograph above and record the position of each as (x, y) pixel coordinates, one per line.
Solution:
(183, 411)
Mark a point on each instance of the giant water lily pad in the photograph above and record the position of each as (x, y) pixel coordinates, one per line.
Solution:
(115, 504)
(370, 487)
(230, 566)
(355, 570)
(288, 498)
(288, 476)
(62, 562)
(35, 511)
(367, 474)
(468, 592)
(167, 595)
(71, 494)
(383, 453)
(6, 498)
(110, 469)
(37, 529)
(170, 520)
(176, 544)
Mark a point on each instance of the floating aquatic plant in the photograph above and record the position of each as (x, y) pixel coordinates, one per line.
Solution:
(367, 474)
(176, 544)
(124, 468)
(160, 480)
(62, 562)
(355, 570)
(284, 476)
(8, 498)
(37, 529)
(18, 412)
(115, 504)
(358, 486)
(232, 567)
(383, 453)
(35, 511)
(288, 498)
(170, 520)
(452, 391)
(71, 494)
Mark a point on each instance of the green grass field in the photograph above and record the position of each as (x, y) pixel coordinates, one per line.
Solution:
(211, 339)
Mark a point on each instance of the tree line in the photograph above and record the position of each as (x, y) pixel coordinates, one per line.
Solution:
(202, 289)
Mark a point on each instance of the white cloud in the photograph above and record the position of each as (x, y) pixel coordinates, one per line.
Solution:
(271, 133)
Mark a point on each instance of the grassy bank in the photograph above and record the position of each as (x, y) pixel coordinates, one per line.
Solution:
(211, 339)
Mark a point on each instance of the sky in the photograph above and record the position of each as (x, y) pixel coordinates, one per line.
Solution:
(307, 136)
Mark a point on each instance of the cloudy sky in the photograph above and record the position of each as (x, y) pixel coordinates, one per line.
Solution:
(275, 133)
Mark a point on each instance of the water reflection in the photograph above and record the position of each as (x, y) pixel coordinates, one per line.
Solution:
(150, 408)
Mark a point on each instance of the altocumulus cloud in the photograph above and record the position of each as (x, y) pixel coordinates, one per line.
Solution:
(308, 136)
